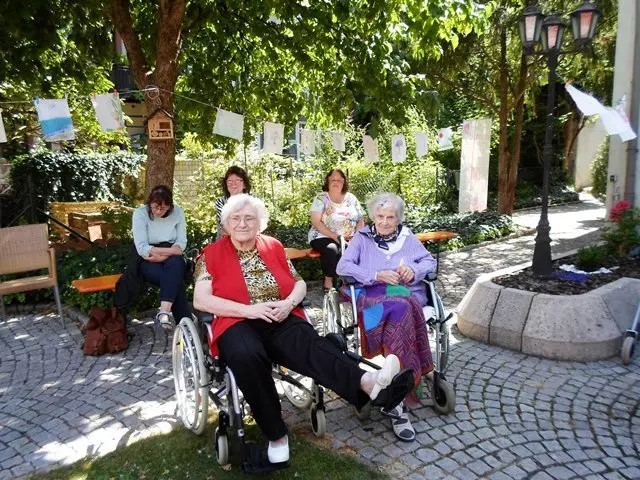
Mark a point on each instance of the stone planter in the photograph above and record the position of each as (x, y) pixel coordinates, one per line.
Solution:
(563, 327)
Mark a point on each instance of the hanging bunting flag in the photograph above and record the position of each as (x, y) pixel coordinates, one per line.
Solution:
(229, 124)
(308, 142)
(55, 119)
(614, 120)
(337, 141)
(422, 145)
(398, 148)
(445, 139)
(273, 138)
(108, 111)
(3, 135)
(370, 149)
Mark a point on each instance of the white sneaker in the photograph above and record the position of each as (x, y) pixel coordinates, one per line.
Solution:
(390, 368)
(278, 454)
(402, 425)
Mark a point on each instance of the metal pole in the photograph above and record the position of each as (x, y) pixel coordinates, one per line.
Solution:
(542, 252)
(630, 192)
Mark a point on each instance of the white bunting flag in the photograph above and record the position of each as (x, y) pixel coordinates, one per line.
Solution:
(55, 119)
(3, 135)
(308, 142)
(444, 139)
(108, 111)
(337, 141)
(370, 149)
(422, 145)
(229, 124)
(614, 120)
(398, 148)
(273, 137)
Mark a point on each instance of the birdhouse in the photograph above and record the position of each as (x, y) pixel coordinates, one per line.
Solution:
(160, 125)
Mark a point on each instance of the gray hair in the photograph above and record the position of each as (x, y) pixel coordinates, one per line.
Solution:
(386, 200)
(238, 202)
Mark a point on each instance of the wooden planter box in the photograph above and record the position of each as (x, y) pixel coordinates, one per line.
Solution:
(61, 211)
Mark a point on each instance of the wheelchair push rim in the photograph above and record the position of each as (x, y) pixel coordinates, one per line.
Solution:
(190, 376)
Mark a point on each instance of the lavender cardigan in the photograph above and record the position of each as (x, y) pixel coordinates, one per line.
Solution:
(363, 259)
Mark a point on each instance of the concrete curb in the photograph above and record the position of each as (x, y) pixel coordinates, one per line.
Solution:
(580, 328)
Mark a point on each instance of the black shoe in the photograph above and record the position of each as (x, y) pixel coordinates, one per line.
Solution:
(399, 387)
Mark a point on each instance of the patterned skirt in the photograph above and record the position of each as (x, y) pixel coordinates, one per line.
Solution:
(391, 321)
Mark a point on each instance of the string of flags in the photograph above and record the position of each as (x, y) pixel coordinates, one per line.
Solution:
(55, 119)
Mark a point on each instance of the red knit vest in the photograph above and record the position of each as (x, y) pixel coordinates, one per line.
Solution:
(229, 283)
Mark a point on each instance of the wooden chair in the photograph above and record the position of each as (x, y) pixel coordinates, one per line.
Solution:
(24, 249)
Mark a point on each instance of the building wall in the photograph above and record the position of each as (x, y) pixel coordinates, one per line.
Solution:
(589, 140)
(622, 83)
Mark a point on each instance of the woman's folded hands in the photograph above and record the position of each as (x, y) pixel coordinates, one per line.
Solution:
(270, 311)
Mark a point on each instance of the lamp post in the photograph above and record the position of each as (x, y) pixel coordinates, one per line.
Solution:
(534, 28)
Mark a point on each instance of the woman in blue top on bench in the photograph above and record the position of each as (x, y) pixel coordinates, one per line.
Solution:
(160, 237)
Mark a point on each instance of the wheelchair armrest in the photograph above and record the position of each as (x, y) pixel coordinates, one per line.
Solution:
(205, 317)
(348, 280)
(431, 277)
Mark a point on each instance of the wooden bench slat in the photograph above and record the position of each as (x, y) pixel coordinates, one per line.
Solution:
(96, 284)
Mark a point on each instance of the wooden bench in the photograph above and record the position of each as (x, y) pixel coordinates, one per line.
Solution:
(108, 282)
(96, 284)
(295, 253)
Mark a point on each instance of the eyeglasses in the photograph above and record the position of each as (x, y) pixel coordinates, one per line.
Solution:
(159, 208)
(237, 219)
(235, 180)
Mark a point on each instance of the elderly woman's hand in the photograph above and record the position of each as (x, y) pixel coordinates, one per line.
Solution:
(388, 276)
(262, 311)
(406, 274)
(280, 309)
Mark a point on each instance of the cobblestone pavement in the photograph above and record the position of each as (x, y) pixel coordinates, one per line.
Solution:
(516, 416)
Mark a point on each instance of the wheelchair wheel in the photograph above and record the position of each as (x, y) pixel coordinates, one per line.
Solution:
(222, 448)
(364, 413)
(318, 421)
(628, 346)
(190, 376)
(299, 397)
(444, 397)
(331, 312)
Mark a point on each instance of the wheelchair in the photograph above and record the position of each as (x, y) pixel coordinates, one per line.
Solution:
(200, 378)
(340, 317)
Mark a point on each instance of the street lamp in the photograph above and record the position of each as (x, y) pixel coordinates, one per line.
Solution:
(535, 27)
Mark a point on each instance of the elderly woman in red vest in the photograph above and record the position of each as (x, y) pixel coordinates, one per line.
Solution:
(247, 281)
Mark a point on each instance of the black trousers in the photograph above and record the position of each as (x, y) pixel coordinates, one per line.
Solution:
(329, 255)
(249, 348)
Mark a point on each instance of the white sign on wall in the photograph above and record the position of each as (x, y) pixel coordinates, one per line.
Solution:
(474, 165)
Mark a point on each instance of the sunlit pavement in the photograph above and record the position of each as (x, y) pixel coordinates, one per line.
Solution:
(516, 416)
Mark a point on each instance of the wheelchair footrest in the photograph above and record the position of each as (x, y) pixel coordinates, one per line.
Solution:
(256, 462)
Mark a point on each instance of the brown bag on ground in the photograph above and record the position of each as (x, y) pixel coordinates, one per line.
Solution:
(105, 333)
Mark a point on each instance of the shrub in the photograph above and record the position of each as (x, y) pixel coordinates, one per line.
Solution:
(624, 234)
(75, 177)
(599, 171)
(591, 258)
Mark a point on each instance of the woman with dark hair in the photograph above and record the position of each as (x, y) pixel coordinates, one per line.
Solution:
(234, 182)
(160, 237)
(335, 212)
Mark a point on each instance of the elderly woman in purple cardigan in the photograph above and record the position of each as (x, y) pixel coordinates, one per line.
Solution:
(389, 263)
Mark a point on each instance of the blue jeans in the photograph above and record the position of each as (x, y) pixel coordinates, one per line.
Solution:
(169, 276)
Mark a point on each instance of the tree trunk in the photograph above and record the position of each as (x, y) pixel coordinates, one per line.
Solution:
(160, 153)
(505, 203)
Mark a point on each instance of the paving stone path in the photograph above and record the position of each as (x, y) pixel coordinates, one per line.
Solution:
(516, 416)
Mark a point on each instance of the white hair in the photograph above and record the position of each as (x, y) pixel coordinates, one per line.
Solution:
(238, 202)
(386, 200)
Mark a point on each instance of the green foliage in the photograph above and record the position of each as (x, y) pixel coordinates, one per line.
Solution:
(96, 262)
(471, 228)
(599, 168)
(591, 258)
(65, 177)
(121, 219)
